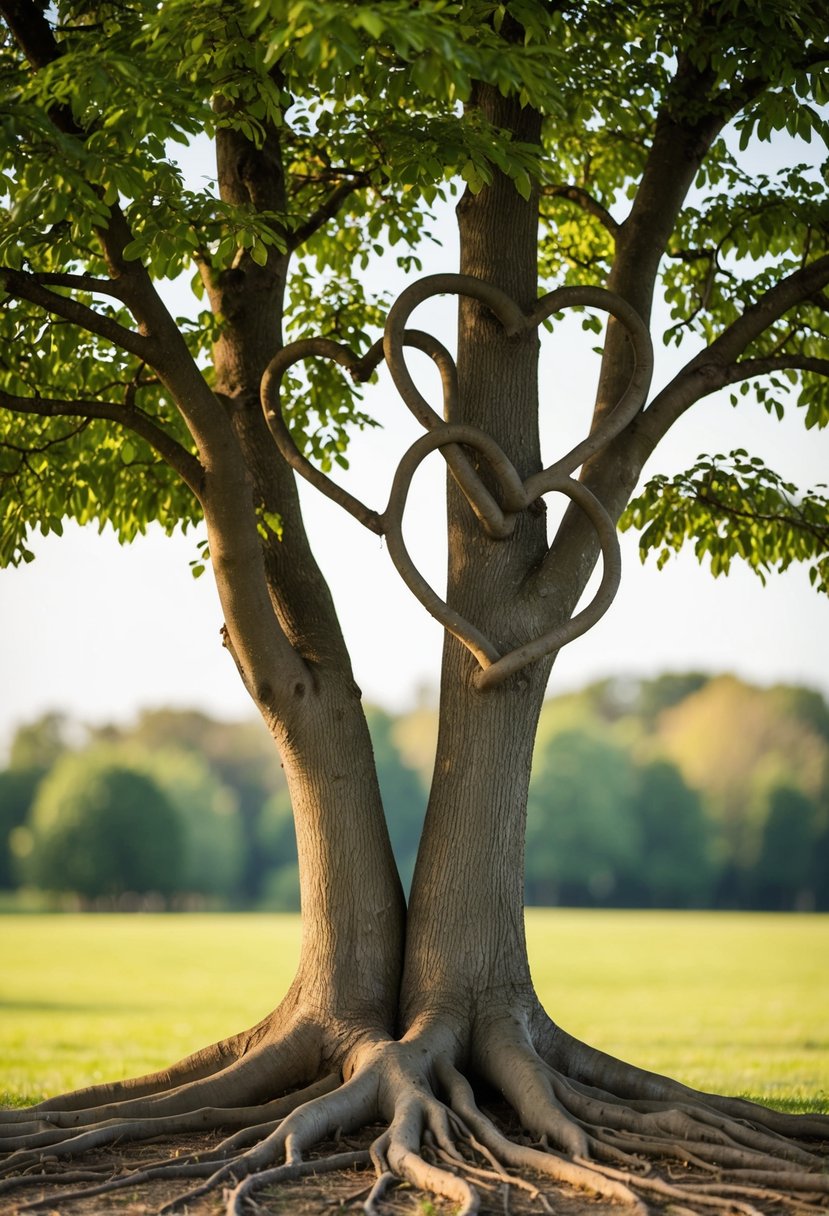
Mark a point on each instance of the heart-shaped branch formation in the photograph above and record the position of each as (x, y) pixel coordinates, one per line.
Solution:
(496, 515)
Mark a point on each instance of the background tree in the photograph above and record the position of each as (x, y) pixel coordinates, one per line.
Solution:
(17, 792)
(212, 848)
(240, 760)
(784, 875)
(583, 838)
(739, 744)
(675, 868)
(103, 830)
(336, 127)
(35, 748)
(614, 783)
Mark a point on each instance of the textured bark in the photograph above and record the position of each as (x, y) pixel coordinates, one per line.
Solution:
(465, 939)
(352, 905)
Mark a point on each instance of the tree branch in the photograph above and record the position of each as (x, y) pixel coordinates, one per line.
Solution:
(24, 286)
(34, 36)
(327, 210)
(37, 41)
(172, 453)
(719, 364)
(582, 198)
(747, 368)
(79, 282)
(796, 520)
(37, 448)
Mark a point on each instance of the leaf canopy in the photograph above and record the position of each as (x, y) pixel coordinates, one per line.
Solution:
(371, 108)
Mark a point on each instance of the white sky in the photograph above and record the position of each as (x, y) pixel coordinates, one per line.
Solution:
(99, 631)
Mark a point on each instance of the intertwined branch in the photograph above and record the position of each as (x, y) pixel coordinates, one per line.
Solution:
(496, 515)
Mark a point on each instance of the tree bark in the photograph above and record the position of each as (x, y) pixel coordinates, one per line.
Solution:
(465, 947)
(352, 902)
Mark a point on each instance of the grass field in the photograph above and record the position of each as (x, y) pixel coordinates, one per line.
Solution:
(735, 1003)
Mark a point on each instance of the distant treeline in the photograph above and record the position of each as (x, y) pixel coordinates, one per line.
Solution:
(688, 791)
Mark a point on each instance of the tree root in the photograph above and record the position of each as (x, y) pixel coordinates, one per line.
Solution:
(598, 1125)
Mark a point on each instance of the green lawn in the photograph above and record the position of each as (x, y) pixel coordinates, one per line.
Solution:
(737, 1003)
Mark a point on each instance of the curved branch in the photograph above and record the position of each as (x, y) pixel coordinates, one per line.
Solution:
(516, 322)
(484, 505)
(171, 452)
(360, 369)
(496, 668)
(23, 286)
(585, 200)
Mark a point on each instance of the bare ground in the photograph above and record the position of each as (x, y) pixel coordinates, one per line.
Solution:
(347, 1190)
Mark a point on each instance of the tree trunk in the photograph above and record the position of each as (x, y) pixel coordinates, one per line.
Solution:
(352, 902)
(465, 949)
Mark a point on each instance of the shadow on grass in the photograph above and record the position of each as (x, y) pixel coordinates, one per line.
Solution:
(79, 1007)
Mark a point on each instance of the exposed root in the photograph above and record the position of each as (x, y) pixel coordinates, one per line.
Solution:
(596, 1125)
(284, 1173)
(208, 1062)
(245, 1082)
(582, 1063)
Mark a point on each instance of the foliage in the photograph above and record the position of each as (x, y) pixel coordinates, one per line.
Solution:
(212, 843)
(336, 81)
(101, 829)
(231, 803)
(366, 103)
(38, 745)
(735, 743)
(734, 507)
(580, 851)
(785, 872)
(17, 791)
(674, 864)
(242, 780)
(665, 792)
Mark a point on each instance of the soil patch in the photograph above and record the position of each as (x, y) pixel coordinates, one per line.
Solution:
(341, 1191)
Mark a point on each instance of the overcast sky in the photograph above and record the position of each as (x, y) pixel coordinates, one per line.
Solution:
(99, 631)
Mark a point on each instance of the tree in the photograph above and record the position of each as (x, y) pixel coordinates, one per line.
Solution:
(781, 877)
(582, 836)
(620, 132)
(242, 761)
(17, 792)
(211, 835)
(781, 741)
(100, 829)
(675, 869)
(37, 745)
